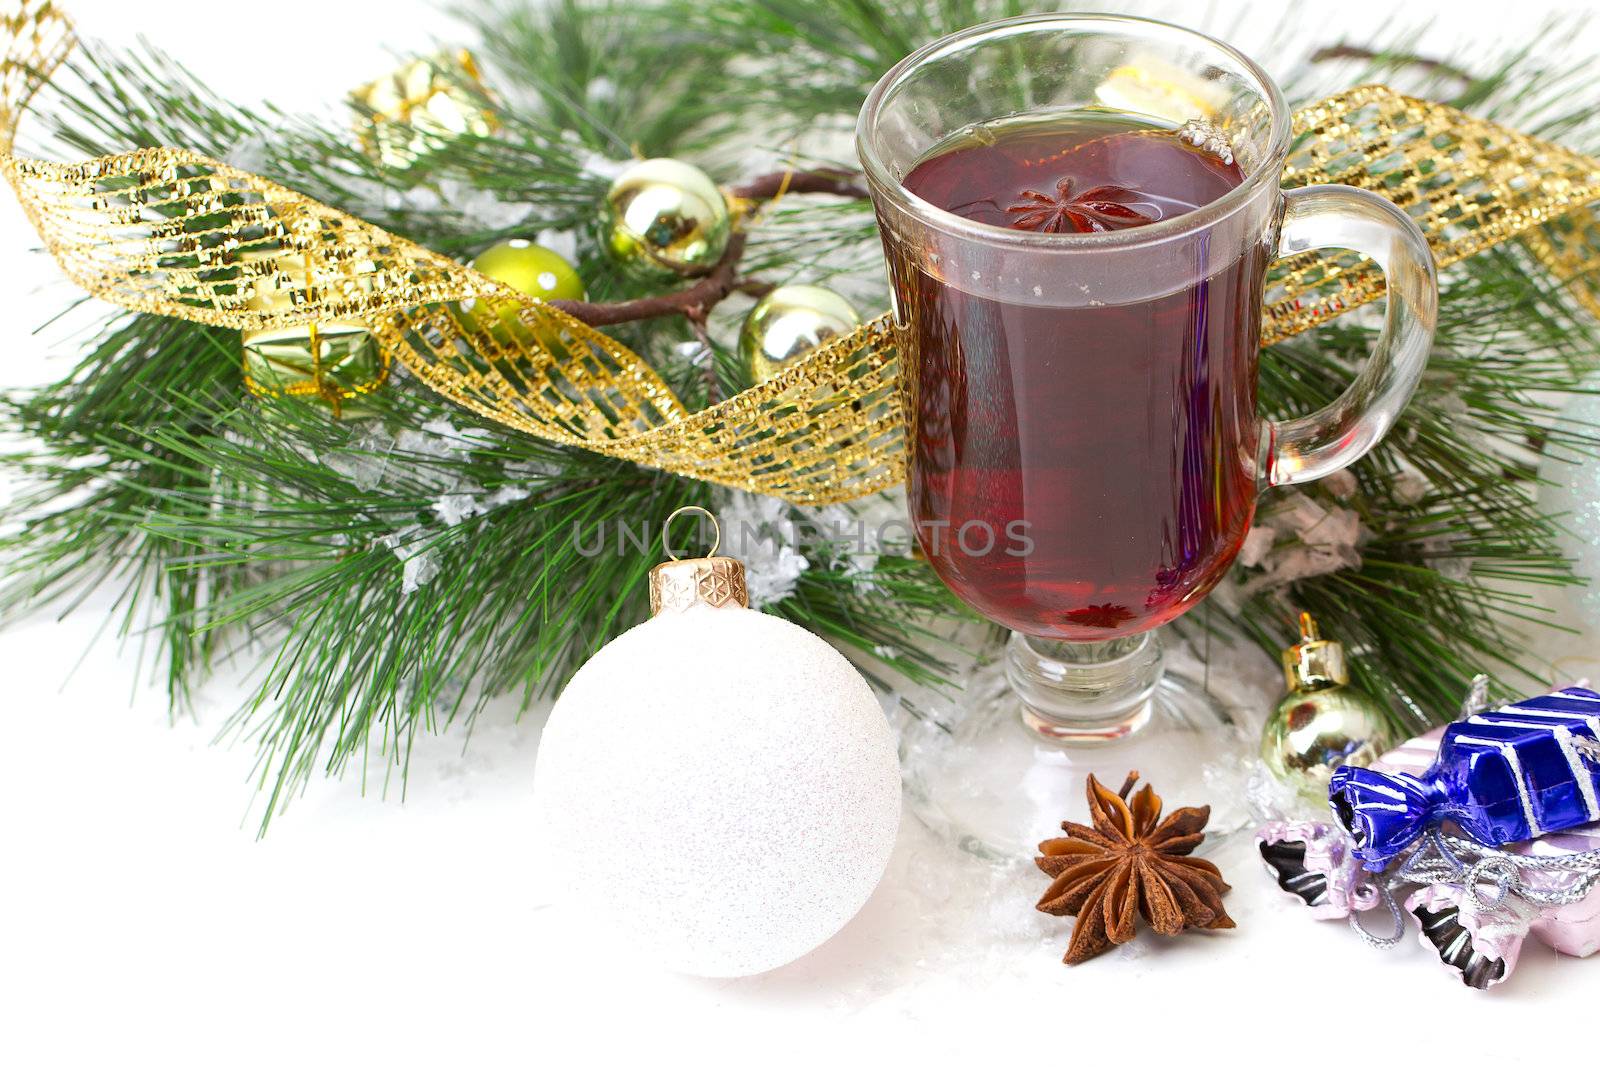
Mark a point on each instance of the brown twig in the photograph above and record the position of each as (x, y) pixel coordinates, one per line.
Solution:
(754, 287)
(837, 182)
(1427, 63)
(696, 301)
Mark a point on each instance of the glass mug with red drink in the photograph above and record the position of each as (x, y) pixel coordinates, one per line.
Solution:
(1078, 213)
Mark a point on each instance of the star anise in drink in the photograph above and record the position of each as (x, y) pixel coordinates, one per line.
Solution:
(1096, 210)
(1130, 864)
(1103, 616)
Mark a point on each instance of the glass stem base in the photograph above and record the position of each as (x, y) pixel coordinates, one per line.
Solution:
(1008, 763)
(1080, 693)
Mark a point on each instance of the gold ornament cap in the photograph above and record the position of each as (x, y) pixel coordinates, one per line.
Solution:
(679, 584)
(1314, 662)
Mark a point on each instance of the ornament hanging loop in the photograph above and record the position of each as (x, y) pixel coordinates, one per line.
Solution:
(666, 530)
(680, 584)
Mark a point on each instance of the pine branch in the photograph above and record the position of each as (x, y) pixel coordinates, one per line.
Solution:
(334, 554)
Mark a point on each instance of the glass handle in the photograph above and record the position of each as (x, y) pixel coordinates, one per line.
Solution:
(1337, 216)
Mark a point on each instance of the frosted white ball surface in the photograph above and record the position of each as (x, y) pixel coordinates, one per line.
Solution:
(1572, 491)
(721, 786)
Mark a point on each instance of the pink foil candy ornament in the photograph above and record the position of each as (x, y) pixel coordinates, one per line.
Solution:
(1413, 756)
(1313, 861)
(1477, 943)
(1572, 929)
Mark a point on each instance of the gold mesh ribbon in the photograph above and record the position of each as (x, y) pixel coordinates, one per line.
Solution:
(171, 232)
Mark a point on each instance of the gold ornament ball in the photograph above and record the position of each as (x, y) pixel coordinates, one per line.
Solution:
(1309, 734)
(1322, 723)
(529, 269)
(664, 219)
(789, 322)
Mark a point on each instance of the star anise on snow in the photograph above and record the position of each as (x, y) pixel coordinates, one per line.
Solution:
(1094, 210)
(1130, 863)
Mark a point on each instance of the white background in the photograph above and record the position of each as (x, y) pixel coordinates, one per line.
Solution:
(141, 919)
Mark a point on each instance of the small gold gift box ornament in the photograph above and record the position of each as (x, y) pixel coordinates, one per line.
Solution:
(336, 361)
(405, 115)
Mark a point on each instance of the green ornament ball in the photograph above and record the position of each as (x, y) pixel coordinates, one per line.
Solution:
(789, 322)
(664, 218)
(528, 268)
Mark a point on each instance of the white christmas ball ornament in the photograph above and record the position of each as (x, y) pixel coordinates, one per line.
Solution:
(717, 784)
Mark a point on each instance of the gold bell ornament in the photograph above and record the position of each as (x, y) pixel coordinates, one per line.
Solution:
(1322, 723)
(664, 218)
(717, 788)
(787, 323)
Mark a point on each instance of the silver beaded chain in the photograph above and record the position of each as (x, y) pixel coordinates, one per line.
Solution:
(1492, 876)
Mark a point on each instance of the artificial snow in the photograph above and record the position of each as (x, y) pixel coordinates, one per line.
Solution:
(758, 530)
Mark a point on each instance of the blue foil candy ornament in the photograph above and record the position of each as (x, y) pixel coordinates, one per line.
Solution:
(1502, 776)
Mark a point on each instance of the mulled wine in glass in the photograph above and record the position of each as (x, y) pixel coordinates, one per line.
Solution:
(1078, 214)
